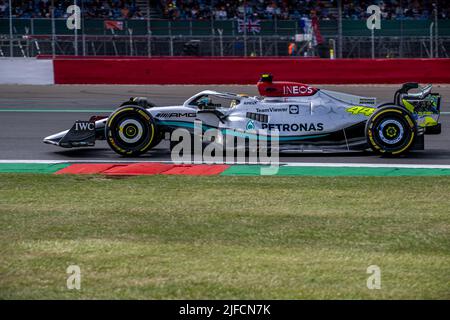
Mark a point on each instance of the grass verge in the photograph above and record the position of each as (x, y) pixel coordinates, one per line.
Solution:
(182, 237)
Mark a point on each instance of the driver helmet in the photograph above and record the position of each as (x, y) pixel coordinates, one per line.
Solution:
(204, 100)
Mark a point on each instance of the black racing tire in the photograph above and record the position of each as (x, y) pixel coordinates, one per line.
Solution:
(158, 138)
(144, 103)
(391, 131)
(131, 131)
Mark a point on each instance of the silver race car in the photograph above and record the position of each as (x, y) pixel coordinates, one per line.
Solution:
(301, 118)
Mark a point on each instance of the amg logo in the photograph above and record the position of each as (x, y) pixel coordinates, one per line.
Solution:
(176, 115)
(294, 126)
(84, 126)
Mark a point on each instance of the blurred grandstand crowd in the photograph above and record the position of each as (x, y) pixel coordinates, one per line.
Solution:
(230, 9)
(112, 9)
(296, 9)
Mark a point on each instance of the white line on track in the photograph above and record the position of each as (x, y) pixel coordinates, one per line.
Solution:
(290, 164)
(369, 165)
(32, 161)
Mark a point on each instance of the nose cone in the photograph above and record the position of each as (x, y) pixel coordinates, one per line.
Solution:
(55, 138)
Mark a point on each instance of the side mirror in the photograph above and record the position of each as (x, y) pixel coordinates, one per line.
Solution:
(266, 77)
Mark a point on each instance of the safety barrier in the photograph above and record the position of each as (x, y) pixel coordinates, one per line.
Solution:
(26, 71)
(247, 70)
(236, 70)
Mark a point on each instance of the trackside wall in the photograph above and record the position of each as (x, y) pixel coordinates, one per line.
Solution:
(247, 70)
(26, 71)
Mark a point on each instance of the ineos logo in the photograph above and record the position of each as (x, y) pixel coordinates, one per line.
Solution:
(297, 90)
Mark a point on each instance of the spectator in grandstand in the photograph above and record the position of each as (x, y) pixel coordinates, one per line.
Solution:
(3, 8)
(43, 9)
(220, 14)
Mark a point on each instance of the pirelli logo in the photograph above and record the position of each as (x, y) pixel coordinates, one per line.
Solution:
(258, 116)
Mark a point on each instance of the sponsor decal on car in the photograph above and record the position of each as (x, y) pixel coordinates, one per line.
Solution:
(295, 89)
(84, 126)
(293, 109)
(272, 109)
(293, 127)
(176, 115)
(367, 100)
(250, 125)
(257, 116)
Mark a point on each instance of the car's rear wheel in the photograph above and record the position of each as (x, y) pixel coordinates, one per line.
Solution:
(131, 131)
(391, 130)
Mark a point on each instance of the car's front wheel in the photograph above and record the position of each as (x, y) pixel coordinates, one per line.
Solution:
(131, 131)
(391, 130)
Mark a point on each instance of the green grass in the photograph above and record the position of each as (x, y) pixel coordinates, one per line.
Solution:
(176, 237)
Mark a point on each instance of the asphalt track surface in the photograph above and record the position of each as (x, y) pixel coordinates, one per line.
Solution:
(29, 113)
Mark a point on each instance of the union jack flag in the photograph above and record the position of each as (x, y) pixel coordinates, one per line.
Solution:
(113, 25)
(253, 26)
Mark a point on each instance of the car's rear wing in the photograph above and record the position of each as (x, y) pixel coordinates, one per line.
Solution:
(424, 105)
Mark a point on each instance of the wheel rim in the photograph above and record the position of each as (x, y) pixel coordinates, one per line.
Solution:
(130, 131)
(391, 131)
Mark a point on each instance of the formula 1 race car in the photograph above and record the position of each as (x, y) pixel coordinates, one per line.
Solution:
(301, 117)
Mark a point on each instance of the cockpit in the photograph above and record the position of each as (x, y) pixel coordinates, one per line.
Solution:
(210, 101)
